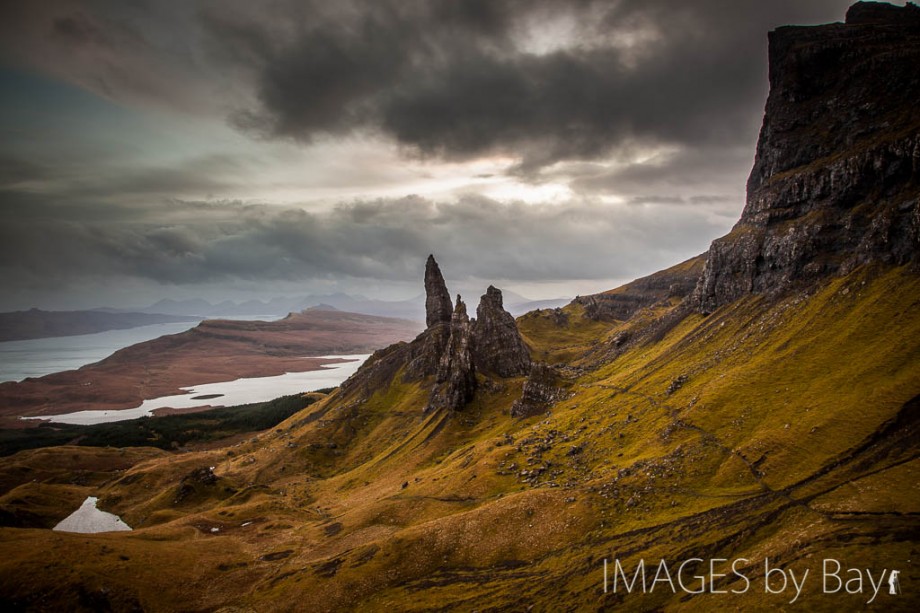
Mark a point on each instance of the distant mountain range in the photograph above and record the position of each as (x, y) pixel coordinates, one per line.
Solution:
(412, 309)
(35, 323)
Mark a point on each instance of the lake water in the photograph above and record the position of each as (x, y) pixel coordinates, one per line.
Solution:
(90, 520)
(43, 356)
(240, 391)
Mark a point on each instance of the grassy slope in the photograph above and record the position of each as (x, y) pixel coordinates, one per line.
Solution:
(769, 448)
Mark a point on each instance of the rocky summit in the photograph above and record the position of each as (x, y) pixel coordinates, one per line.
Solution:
(438, 309)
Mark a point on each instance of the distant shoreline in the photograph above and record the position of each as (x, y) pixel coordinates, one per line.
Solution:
(214, 351)
(331, 372)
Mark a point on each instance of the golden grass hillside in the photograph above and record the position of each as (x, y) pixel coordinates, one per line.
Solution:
(784, 430)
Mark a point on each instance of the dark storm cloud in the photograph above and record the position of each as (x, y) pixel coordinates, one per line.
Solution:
(451, 80)
(134, 53)
(689, 168)
(653, 199)
(454, 80)
(15, 171)
(79, 188)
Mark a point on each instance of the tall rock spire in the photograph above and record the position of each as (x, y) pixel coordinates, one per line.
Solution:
(455, 383)
(438, 308)
(454, 349)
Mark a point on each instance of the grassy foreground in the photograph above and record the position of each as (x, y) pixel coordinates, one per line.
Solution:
(786, 432)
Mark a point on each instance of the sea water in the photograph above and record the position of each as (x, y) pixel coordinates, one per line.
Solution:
(42, 356)
(229, 393)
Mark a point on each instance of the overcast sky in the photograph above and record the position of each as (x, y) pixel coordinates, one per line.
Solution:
(233, 149)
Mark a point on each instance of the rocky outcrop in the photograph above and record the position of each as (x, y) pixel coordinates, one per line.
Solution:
(620, 304)
(195, 481)
(882, 13)
(424, 353)
(489, 344)
(438, 309)
(836, 179)
(499, 349)
(455, 384)
(452, 350)
(541, 390)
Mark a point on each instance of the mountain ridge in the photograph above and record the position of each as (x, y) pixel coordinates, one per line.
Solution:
(412, 308)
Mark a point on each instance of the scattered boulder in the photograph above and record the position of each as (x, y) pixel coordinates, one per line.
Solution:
(204, 476)
(560, 318)
(676, 384)
(190, 483)
(541, 390)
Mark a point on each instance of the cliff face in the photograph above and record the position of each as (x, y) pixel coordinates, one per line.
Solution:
(837, 173)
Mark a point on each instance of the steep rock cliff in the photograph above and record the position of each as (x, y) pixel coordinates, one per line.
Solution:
(836, 178)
